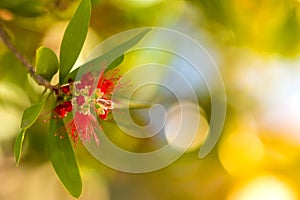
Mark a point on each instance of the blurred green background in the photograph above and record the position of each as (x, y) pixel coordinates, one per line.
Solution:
(255, 44)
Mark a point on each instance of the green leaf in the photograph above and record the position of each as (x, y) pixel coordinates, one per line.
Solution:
(18, 145)
(115, 63)
(63, 159)
(74, 38)
(119, 50)
(31, 114)
(110, 56)
(46, 63)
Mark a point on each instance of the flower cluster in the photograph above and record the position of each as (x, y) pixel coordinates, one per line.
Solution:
(85, 97)
(64, 96)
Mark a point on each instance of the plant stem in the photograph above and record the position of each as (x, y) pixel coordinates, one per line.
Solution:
(37, 78)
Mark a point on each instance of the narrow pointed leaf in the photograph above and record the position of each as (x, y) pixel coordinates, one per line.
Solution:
(46, 63)
(31, 114)
(110, 56)
(18, 145)
(74, 38)
(115, 63)
(63, 160)
(119, 50)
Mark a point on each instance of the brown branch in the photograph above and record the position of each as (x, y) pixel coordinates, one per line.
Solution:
(38, 79)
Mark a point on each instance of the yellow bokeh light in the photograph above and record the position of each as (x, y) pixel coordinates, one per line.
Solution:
(241, 151)
(177, 136)
(264, 188)
(135, 3)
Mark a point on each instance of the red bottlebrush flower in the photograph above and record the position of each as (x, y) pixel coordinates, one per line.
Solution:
(83, 126)
(66, 89)
(86, 124)
(63, 109)
(86, 83)
(104, 116)
(83, 123)
(68, 106)
(106, 85)
(68, 129)
(80, 100)
(108, 82)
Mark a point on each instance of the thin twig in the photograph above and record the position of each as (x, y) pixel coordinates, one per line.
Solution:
(38, 79)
